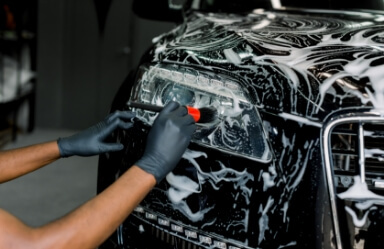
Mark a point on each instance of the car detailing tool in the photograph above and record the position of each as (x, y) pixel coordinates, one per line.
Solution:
(201, 115)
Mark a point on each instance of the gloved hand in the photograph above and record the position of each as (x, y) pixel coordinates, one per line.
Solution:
(90, 141)
(167, 140)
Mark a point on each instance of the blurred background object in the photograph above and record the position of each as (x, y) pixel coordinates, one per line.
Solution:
(17, 67)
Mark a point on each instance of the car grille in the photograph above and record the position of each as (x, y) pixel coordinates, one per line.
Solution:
(353, 153)
(358, 149)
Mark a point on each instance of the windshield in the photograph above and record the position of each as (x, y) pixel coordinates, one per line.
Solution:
(246, 5)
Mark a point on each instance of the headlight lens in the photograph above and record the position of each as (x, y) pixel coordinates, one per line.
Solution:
(237, 130)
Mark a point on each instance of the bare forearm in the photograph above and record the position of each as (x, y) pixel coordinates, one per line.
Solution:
(92, 223)
(17, 162)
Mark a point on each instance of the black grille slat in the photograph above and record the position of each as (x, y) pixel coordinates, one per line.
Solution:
(344, 152)
(343, 131)
(344, 173)
(374, 153)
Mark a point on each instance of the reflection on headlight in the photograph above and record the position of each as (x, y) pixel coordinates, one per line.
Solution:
(177, 93)
(238, 129)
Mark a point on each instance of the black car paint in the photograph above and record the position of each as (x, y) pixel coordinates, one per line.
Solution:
(289, 201)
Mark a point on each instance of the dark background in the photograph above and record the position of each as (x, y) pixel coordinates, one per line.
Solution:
(81, 53)
(80, 69)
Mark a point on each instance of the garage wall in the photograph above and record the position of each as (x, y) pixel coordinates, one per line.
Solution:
(80, 70)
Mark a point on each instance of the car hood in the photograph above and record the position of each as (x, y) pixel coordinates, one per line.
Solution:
(302, 62)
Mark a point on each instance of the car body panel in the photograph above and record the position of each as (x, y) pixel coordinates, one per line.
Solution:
(311, 59)
(300, 69)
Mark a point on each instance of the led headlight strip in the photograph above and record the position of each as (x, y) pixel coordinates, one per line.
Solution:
(217, 86)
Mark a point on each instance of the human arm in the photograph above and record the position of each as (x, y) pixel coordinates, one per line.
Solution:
(93, 222)
(86, 227)
(20, 161)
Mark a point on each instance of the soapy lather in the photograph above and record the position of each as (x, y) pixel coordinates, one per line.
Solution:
(200, 115)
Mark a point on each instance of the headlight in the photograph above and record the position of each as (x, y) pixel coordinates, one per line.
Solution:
(238, 128)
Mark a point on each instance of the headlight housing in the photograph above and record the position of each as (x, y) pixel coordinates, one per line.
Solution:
(237, 130)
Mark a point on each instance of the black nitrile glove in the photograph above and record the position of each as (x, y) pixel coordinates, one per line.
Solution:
(90, 141)
(167, 140)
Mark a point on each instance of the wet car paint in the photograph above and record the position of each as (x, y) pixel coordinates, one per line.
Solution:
(298, 68)
(288, 59)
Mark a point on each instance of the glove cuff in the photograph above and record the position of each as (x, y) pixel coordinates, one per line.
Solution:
(61, 144)
(151, 168)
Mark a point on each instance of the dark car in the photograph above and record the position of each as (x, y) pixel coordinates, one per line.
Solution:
(294, 158)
